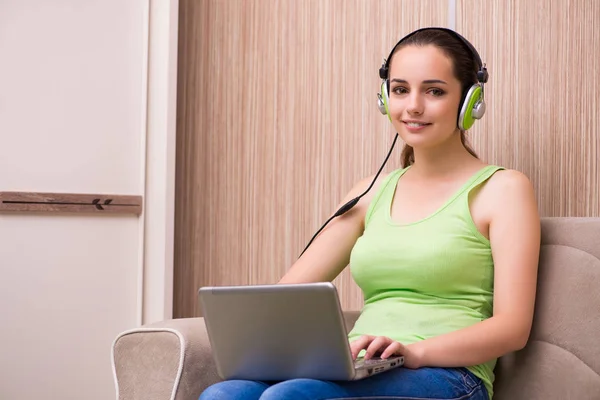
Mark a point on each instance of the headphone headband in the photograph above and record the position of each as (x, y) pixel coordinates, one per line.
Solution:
(482, 74)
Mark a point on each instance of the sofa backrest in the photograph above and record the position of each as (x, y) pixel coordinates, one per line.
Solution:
(562, 357)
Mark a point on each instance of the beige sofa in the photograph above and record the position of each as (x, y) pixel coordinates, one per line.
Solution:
(171, 360)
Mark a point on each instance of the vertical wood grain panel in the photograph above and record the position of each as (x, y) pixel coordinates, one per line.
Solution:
(543, 95)
(277, 119)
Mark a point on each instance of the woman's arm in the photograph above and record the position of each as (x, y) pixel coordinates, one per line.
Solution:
(329, 253)
(515, 242)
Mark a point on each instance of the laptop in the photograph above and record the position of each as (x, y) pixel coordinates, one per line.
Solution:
(283, 331)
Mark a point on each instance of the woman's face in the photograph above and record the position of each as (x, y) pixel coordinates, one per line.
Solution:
(424, 96)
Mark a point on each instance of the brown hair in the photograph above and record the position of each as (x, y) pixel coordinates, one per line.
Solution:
(464, 68)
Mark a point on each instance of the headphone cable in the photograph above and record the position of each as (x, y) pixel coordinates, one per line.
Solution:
(346, 207)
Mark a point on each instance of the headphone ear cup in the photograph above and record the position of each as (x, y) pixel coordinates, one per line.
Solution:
(383, 100)
(472, 108)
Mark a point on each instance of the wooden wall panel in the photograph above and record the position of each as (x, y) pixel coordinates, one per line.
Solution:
(277, 119)
(543, 95)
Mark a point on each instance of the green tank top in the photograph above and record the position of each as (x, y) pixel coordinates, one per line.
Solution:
(426, 278)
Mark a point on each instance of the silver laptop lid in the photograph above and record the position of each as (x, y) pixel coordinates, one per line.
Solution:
(277, 332)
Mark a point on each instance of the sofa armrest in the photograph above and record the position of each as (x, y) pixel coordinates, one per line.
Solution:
(168, 360)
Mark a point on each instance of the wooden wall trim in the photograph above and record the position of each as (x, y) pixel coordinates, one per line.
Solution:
(70, 203)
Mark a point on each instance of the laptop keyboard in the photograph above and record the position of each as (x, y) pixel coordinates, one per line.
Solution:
(365, 363)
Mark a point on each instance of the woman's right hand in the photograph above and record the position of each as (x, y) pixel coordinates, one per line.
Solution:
(385, 347)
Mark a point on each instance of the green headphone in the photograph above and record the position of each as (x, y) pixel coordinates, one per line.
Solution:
(472, 105)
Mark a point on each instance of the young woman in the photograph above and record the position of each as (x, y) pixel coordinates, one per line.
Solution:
(445, 249)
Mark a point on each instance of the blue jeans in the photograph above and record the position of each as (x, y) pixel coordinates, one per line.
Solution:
(395, 384)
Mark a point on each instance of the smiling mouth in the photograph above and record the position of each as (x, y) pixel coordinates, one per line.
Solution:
(415, 124)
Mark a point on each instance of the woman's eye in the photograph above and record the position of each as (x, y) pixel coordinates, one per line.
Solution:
(399, 90)
(437, 92)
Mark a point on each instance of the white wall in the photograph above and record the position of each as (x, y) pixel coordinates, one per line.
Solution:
(80, 112)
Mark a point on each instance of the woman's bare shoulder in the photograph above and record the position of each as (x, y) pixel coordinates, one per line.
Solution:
(510, 179)
(510, 188)
(369, 188)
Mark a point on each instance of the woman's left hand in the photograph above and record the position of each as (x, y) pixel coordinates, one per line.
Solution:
(387, 347)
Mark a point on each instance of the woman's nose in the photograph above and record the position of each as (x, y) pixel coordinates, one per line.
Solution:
(415, 105)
